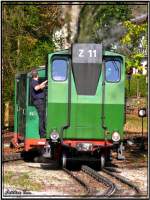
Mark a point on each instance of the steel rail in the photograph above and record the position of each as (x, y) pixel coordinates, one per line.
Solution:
(111, 186)
(78, 180)
(123, 180)
(112, 169)
(92, 173)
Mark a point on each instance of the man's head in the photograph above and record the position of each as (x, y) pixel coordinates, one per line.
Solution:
(34, 73)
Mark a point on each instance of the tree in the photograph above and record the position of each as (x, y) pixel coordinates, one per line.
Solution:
(135, 42)
(27, 32)
(99, 23)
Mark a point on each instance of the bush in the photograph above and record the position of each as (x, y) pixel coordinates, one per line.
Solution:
(134, 82)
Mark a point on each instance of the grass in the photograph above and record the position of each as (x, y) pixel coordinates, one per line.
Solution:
(134, 124)
(21, 181)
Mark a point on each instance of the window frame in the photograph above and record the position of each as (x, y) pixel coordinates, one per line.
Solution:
(115, 58)
(59, 58)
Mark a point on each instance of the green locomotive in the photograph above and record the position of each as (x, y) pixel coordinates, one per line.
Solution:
(84, 103)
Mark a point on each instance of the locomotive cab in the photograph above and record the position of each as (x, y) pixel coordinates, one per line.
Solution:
(26, 125)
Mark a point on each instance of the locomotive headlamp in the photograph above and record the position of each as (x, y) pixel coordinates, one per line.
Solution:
(115, 136)
(54, 135)
(142, 112)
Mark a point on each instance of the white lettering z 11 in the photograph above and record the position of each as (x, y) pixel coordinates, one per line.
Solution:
(81, 53)
(92, 53)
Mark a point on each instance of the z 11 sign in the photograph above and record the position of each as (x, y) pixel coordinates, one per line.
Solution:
(87, 53)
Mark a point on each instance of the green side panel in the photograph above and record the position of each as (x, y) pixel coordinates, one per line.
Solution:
(57, 117)
(114, 118)
(114, 106)
(32, 123)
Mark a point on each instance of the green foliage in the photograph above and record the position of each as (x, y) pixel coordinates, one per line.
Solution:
(137, 81)
(27, 38)
(135, 40)
(98, 23)
(134, 60)
(133, 34)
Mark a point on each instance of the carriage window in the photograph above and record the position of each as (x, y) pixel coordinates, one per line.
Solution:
(59, 70)
(112, 70)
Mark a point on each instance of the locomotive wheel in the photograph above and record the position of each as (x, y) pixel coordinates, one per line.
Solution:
(102, 161)
(64, 160)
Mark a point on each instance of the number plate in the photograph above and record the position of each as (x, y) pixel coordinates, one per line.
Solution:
(87, 53)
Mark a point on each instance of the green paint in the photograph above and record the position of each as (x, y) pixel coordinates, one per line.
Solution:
(86, 120)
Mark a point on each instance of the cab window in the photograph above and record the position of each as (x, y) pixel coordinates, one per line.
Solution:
(59, 69)
(112, 70)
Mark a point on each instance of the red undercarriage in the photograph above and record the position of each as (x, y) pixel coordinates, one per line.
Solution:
(31, 143)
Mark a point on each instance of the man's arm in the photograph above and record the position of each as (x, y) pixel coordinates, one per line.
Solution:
(40, 86)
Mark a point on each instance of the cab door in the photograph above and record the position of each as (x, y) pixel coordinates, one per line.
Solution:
(21, 105)
(57, 102)
(113, 101)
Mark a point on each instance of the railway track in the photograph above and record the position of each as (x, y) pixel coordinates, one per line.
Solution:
(124, 186)
(108, 183)
(103, 187)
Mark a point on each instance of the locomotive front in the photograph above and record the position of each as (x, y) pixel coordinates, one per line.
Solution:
(85, 103)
